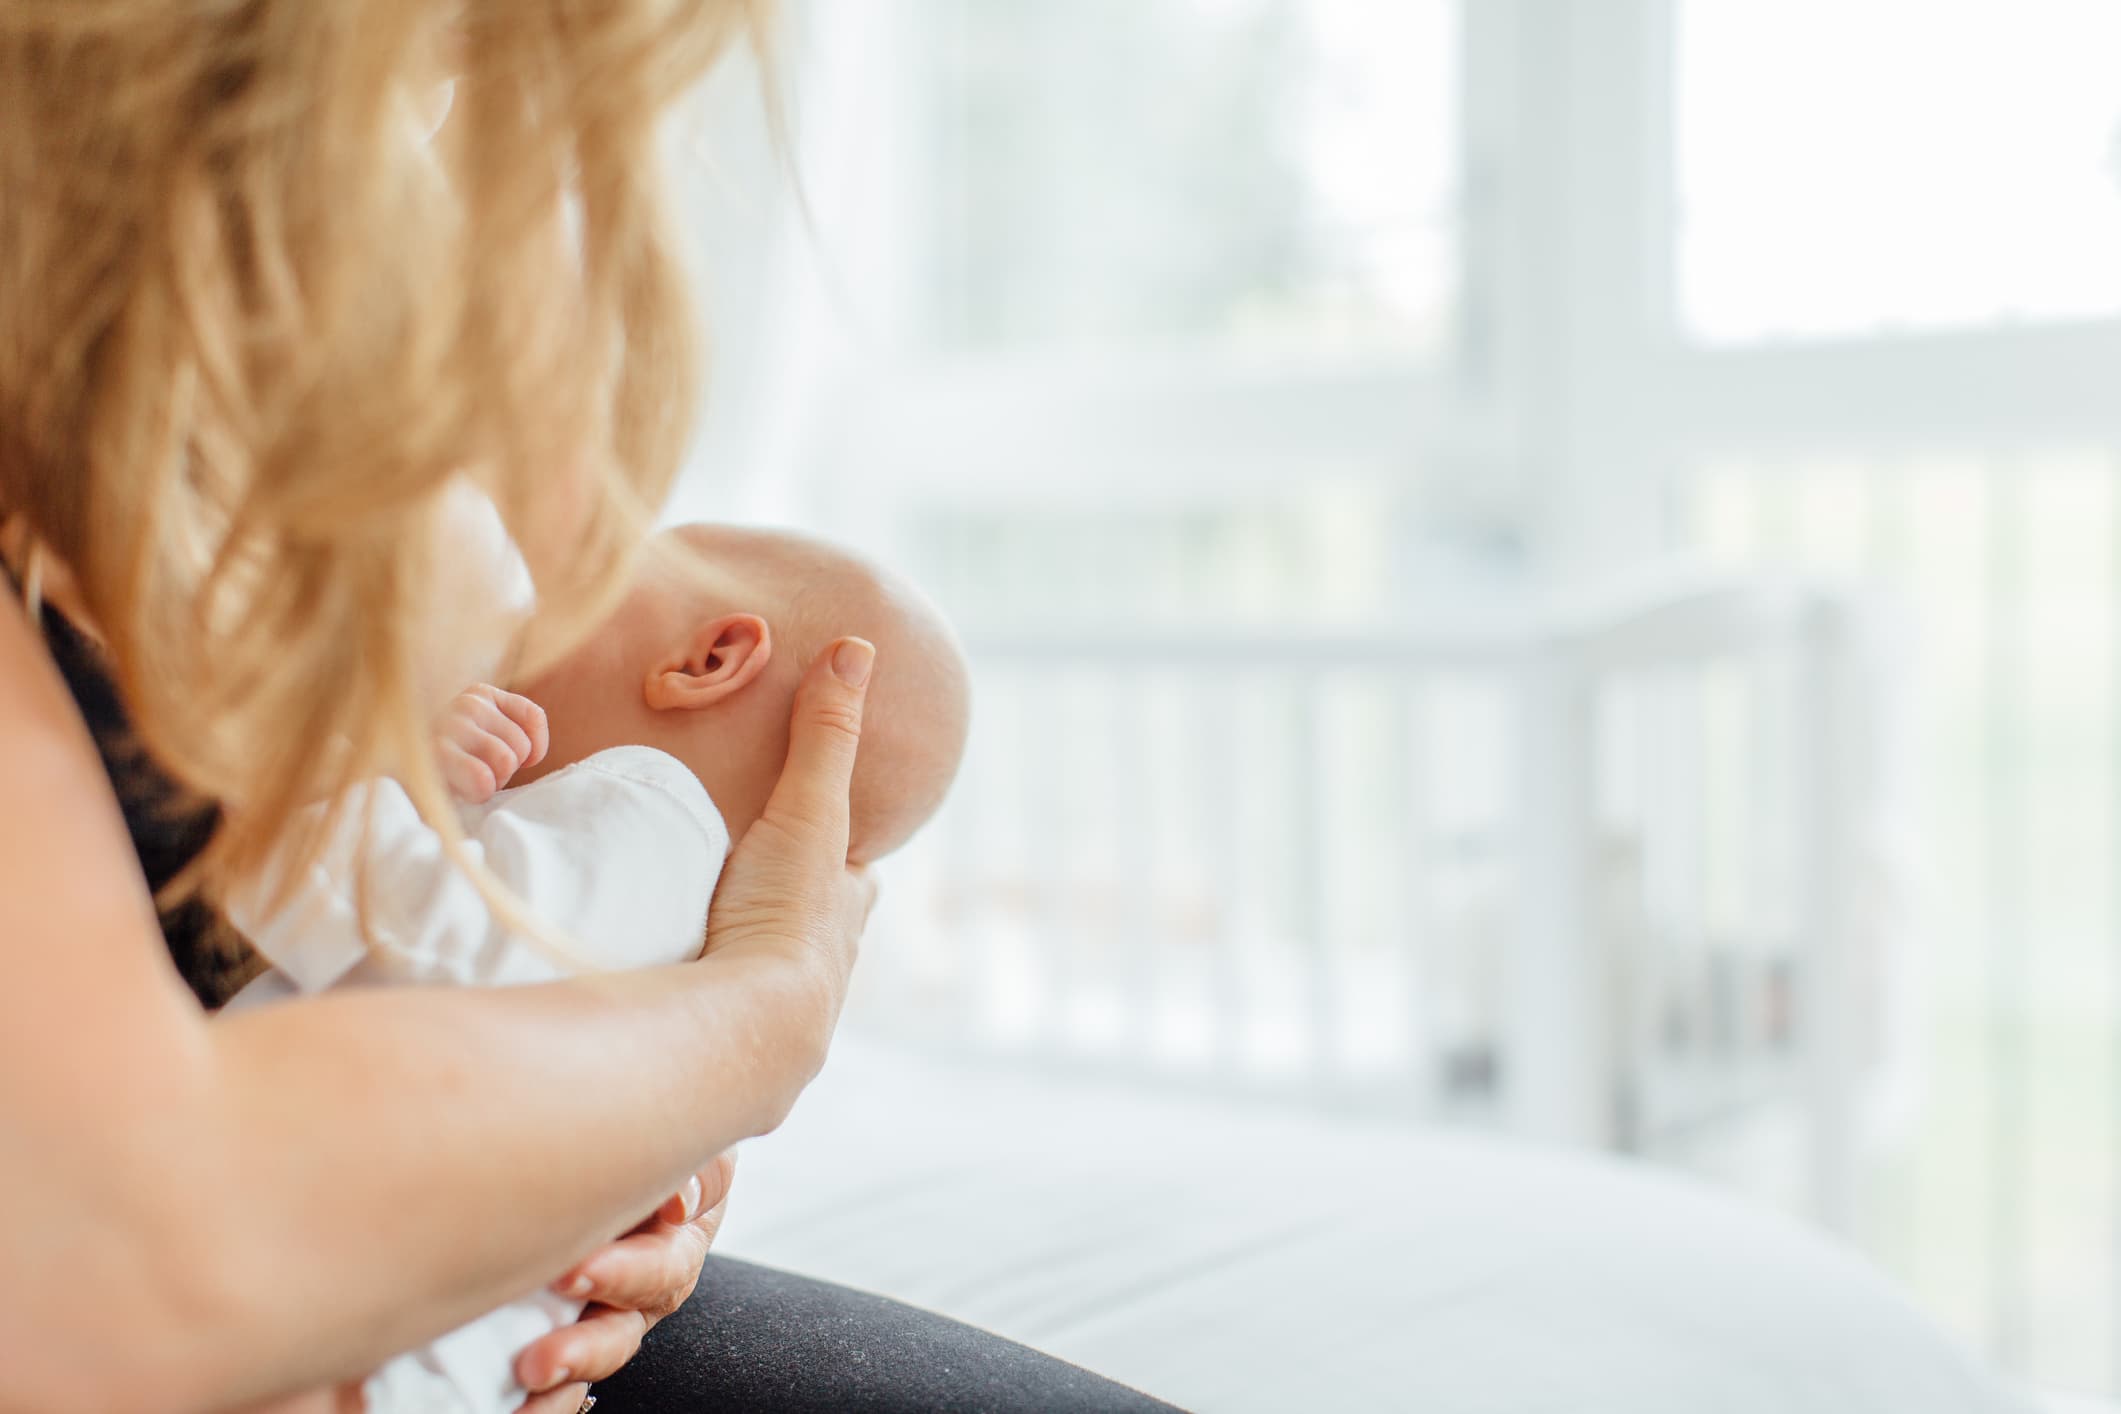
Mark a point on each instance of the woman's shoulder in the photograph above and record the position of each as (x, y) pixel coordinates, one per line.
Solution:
(169, 825)
(56, 801)
(68, 754)
(42, 729)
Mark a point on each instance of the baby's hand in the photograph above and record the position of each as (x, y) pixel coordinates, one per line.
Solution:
(484, 737)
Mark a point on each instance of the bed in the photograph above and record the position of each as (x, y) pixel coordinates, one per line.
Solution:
(1231, 1257)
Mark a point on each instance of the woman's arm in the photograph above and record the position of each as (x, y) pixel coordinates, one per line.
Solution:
(196, 1214)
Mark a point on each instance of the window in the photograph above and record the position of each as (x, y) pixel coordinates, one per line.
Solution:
(1850, 167)
(1186, 172)
(1171, 288)
(2008, 571)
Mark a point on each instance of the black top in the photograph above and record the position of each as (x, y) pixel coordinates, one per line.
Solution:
(169, 825)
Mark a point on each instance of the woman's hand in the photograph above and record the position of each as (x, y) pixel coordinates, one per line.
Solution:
(787, 889)
(630, 1285)
(484, 737)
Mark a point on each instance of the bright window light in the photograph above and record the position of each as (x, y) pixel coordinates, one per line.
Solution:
(1854, 167)
(1158, 172)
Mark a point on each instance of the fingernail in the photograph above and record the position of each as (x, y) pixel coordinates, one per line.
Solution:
(575, 1287)
(851, 660)
(693, 1198)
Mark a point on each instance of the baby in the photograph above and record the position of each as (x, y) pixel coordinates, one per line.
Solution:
(702, 659)
(667, 730)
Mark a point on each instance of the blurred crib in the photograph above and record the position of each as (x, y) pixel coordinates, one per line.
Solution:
(1613, 872)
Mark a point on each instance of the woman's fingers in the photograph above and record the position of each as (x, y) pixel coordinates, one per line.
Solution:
(567, 1399)
(651, 1271)
(684, 1205)
(705, 1190)
(862, 879)
(590, 1349)
(825, 730)
(787, 889)
(653, 1268)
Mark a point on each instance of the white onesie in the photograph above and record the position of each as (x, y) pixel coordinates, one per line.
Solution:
(618, 854)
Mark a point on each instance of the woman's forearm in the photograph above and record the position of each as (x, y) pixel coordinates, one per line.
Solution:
(202, 1214)
(438, 1151)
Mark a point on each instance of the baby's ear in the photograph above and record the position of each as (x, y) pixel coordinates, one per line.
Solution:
(716, 659)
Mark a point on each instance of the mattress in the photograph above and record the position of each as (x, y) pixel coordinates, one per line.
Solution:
(1231, 1258)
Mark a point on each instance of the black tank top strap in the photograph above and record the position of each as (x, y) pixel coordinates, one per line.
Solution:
(169, 825)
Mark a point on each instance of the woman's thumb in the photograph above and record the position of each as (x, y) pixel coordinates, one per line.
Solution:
(823, 734)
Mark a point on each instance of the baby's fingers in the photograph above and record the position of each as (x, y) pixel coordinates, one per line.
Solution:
(482, 727)
(469, 778)
(527, 717)
(496, 751)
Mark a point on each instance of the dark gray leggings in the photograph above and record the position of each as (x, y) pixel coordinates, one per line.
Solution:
(752, 1338)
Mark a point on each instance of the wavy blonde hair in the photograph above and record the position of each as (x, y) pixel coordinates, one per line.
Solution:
(253, 323)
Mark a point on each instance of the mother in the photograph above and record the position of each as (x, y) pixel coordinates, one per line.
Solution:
(254, 321)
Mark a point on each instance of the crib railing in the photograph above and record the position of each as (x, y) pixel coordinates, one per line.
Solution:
(1586, 874)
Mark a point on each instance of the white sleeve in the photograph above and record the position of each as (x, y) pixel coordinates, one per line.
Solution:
(618, 854)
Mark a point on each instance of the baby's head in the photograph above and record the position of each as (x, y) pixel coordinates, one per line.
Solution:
(702, 660)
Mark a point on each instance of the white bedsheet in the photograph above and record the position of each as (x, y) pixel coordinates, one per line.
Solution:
(1234, 1260)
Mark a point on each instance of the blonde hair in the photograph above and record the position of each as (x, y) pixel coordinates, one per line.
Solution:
(253, 324)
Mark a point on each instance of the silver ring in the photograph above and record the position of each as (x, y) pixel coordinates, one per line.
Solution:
(589, 1402)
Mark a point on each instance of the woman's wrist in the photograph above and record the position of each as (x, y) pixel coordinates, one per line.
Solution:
(796, 996)
(652, 1071)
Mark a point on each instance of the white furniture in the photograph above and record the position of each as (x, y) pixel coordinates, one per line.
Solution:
(1235, 1259)
(1594, 872)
